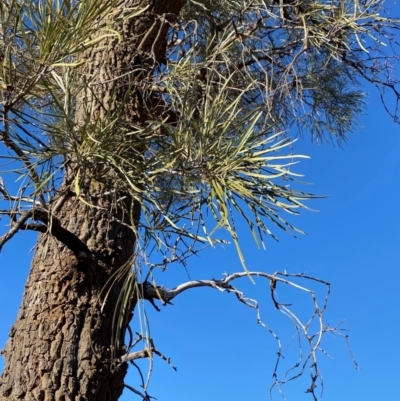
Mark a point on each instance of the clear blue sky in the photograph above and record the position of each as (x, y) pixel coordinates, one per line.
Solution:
(353, 242)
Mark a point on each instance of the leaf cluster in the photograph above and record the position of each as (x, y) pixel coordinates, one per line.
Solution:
(237, 79)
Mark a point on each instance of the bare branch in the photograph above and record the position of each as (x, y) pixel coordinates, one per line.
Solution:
(8, 142)
(144, 353)
(15, 227)
(302, 327)
(166, 295)
(145, 397)
(17, 198)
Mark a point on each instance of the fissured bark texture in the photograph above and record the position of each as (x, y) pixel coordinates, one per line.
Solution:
(60, 345)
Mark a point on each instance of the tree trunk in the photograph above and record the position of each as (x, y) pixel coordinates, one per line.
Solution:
(60, 345)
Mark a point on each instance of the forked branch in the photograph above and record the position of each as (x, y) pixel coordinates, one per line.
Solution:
(309, 332)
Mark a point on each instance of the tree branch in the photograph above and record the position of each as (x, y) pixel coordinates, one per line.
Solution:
(303, 332)
(144, 353)
(145, 397)
(51, 225)
(15, 227)
(165, 295)
(8, 142)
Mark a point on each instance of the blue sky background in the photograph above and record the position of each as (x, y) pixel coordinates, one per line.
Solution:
(353, 242)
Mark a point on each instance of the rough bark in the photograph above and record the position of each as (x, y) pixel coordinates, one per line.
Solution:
(59, 346)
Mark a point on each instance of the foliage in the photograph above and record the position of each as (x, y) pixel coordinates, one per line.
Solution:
(274, 64)
(238, 80)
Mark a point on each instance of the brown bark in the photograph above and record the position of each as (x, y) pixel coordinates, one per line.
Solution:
(60, 345)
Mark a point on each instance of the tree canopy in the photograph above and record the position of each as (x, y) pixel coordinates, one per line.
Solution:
(186, 127)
